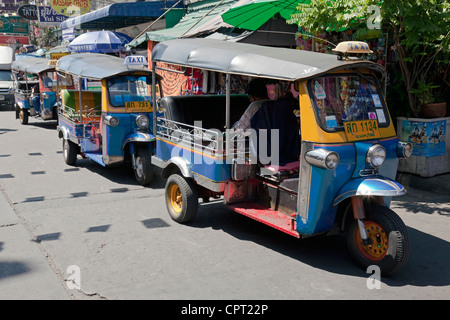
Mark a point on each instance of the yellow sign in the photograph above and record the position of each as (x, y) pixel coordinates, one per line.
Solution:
(138, 106)
(71, 7)
(57, 55)
(361, 130)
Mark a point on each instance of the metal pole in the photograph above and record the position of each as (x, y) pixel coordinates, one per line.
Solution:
(154, 96)
(80, 98)
(228, 101)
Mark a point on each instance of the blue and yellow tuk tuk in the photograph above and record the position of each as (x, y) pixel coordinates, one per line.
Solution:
(320, 157)
(107, 117)
(34, 89)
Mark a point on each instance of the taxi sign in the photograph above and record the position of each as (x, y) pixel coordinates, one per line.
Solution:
(343, 49)
(361, 130)
(135, 61)
(52, 62)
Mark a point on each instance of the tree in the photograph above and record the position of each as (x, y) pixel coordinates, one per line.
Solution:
(421, 37)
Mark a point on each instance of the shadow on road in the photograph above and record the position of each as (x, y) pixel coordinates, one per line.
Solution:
(119, 174)
(427, 265)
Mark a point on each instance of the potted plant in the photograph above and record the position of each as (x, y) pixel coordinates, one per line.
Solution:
(429, 106)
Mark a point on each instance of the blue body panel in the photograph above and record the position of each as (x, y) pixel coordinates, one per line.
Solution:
(209, 167)
(328, 187)
(23, 103)
(92, 142)
(126, 132)
(50, 101)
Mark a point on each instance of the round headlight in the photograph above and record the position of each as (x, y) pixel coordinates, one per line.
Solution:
(404, 149)
(376, 155)
(111, 121)
(322, 158)
(142, 121)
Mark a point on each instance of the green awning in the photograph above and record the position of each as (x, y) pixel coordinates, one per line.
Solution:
(197, 14)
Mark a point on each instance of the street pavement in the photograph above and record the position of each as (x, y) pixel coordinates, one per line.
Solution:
(88, 232)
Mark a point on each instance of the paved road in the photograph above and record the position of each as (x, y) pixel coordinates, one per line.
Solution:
(61, 226)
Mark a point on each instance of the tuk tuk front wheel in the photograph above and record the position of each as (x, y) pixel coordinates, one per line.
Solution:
(143, 169)
(181, 198)
(69, 152)
(23, 116)
(388, 242)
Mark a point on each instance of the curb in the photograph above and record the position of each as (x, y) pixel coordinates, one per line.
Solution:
(437, 184)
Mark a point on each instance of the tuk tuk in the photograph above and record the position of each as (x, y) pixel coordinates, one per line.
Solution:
(34, 89)
(106, 117)
(320, 159)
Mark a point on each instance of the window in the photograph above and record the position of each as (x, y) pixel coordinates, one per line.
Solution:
(341, 98)
(124, 89)
(5, 76)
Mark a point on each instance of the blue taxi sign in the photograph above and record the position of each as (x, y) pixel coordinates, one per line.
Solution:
(135, 61)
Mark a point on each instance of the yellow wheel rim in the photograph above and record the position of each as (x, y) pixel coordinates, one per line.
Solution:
(379, 241)
(175, 198)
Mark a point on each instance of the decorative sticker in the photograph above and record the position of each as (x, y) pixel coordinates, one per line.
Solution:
(377, 101)
(319, 92)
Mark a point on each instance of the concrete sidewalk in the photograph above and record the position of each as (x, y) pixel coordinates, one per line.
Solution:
(437, 184)
(26, 273)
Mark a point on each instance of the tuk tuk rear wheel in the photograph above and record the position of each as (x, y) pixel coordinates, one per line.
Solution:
(143, 169)
(181, 198)
(388, 246)
(23, 116)
(69, 152)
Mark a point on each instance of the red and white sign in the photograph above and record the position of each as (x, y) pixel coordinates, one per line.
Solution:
(9, 40)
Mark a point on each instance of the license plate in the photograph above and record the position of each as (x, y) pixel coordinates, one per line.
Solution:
(361, 130)
(138, 106)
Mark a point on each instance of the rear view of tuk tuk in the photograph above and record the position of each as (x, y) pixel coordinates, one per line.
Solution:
(34, 89)
(320, 158)
(107, 117)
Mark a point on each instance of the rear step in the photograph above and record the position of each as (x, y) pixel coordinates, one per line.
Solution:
(267, 216)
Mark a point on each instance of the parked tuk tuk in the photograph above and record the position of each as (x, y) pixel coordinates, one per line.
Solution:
(107, 117)
(319, 159)
(34, 89)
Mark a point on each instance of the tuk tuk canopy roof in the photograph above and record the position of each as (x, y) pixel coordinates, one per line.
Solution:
(252, 60)
(96, 65)
(32, 65)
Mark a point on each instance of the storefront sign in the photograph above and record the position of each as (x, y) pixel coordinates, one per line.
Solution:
(71, 7)
(11, 40)
(13, 25)
(10, 5)
(68, 34)
(49, 17)
(57, 55)
(28, 11)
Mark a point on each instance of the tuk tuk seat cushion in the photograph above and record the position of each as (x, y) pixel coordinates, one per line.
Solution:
(292, 167)
(92, 100)
(210, 109)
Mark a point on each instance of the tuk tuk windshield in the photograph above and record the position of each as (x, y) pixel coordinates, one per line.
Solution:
(122, 89)
(341, 98)
(47, 79)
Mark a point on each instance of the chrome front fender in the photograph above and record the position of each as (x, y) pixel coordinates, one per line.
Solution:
(370, 186)
(138, 137)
